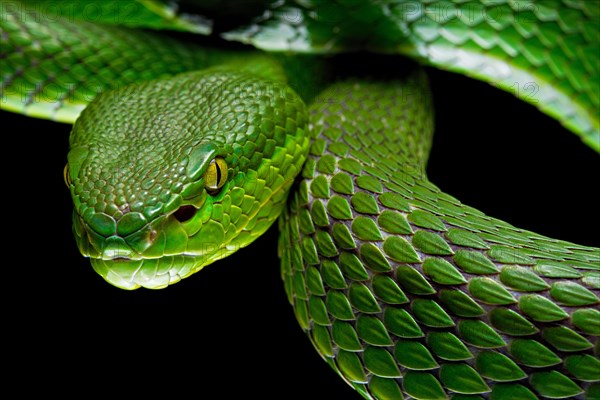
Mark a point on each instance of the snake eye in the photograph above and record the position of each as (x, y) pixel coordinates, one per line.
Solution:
(67, 176)
(216, 175)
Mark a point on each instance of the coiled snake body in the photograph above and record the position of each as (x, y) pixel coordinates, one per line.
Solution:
(184, 154)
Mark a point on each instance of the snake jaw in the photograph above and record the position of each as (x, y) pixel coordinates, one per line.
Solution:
(166, 250)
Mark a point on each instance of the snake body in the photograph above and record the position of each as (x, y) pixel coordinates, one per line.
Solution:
(184, 154)
(406, 291)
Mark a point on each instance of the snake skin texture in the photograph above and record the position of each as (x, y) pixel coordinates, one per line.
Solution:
(402, 289)
(544, 52)
(405, 291)
(53, 67)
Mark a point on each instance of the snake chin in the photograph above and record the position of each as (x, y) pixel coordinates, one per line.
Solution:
(151, 273)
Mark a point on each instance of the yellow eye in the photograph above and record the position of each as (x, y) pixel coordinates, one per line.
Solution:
(67, 176)
(216, 175)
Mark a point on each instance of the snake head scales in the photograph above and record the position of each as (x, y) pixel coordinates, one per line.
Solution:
(170, 175)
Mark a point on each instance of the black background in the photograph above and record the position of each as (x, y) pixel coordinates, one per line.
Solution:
(229, 329)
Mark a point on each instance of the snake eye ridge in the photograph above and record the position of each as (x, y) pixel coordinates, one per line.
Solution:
(215, 175)
(67, 176)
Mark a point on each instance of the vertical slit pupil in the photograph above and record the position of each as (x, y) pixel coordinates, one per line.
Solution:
(218, 174)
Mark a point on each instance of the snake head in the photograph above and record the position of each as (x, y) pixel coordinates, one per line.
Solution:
(170, 175)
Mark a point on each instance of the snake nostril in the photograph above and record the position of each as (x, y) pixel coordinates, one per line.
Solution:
(184, 213)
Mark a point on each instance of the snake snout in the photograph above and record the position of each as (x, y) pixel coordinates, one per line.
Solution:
(117, 249)
(107, 238)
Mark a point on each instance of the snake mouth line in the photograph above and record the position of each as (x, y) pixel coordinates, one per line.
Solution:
(120, 259)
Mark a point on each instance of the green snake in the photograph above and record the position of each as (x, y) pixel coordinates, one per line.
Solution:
(181, 154)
